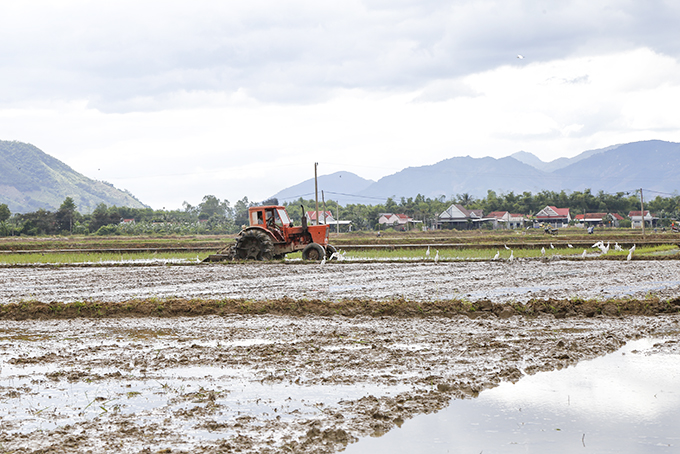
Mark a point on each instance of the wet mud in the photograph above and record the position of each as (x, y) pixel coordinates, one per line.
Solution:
(500, 282)
(246, 383)
(269, 358)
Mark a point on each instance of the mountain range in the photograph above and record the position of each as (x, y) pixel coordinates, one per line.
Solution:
(653, 165)
(31, 179)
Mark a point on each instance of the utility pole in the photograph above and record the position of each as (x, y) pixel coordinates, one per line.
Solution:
(642, 213)
(316, 193)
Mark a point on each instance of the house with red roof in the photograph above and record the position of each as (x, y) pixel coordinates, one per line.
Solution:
(599, 219)
(556, 217)
(505, 220)
(397, 221)
(636, 219)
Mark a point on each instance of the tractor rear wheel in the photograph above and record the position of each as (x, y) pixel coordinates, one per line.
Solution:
(254, 245)
(313, 251)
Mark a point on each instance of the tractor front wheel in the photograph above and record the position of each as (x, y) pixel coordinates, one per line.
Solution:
(313, 251)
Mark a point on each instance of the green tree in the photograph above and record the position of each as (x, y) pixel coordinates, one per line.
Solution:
(66, 215)
(4, 212)
(102, 215)
(212, 206)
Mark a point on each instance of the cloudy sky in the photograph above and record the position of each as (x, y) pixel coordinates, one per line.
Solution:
(174, 100)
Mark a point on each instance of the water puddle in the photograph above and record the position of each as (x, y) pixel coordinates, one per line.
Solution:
(626, 402)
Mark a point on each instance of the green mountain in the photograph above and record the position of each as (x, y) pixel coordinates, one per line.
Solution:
(31, 179)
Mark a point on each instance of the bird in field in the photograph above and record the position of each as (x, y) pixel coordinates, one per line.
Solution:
(427, 253)
(323, 261)
(584, 254)
(512, 256)
(598, 244)
(604, 249)
(617, 247)
(498, 254)
(506, 247)
(542, 251)
(570, 246)
(551, 246)
(436, 257)
(630, 253)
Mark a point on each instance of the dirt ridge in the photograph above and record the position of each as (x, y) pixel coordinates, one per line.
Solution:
(181, 307)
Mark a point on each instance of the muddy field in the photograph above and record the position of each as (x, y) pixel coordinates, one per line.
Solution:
(519, 281)
(281, 383)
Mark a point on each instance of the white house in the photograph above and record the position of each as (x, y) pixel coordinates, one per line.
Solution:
(458, 217)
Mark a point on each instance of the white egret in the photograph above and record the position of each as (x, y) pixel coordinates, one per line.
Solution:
(323, 261)
(598, 244)
(584, 254)
(436, 257)
(512, 256)
(551, 246)
(498, 254)
(506, 247)
(617, 247)
(570, 246)
(542, 251)
(630, 253)
(604, 249)
(427, 253)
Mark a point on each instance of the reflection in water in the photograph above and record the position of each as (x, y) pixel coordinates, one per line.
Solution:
(626, 402)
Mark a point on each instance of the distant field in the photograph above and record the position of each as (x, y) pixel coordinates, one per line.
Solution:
(451, 245)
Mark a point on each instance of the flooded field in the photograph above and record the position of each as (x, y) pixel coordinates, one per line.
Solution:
(302, 384)
(625, 402)
(498, 281)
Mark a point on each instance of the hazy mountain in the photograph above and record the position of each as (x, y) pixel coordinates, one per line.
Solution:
(31, 179)
(535, 161)
(474, 176)
(653, 165)
(338, 186)
(530, 159)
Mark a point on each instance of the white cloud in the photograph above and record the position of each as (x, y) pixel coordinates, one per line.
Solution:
(174, 100)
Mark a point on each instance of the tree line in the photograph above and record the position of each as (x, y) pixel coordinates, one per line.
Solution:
(215, 216)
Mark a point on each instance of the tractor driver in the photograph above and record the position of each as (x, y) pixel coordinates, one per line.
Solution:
(272, 217)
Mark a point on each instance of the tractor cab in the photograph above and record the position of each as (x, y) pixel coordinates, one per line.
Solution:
(271, 218)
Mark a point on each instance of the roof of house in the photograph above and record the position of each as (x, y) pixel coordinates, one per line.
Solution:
(637, 213)
(457, 211)
(312, 214)
(553, 212)
(497, 214)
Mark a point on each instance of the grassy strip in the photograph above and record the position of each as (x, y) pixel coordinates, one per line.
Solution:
(96, 257)
(446, 254)
(176, 307)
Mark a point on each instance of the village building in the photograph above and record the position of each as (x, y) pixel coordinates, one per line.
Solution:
(598, 219)
(459, 217)
(396, 221)
(326, 217)
(556, 217)
(636, 219)
(506, 220)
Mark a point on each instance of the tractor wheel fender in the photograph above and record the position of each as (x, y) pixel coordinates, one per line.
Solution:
(313, 251)
(258, 229)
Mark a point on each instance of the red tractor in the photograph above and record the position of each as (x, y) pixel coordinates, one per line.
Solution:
(271, 235)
